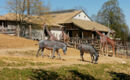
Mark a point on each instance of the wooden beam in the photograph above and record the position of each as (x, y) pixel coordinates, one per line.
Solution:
(30, 31)
(18, 31)
(92, 36)
(92, 39)
(82, 34)
(68, 33)
(2, 27)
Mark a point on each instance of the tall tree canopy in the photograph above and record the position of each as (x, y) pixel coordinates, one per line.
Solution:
(129, 36)
(29, 7)
(111, 13)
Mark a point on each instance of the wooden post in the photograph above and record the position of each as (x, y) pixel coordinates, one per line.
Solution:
(18, 31)
(2, 27)
(30, 31)
(82, 35)
(92, 38)
(68, 33)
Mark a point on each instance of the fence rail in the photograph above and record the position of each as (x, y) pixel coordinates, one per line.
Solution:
(121, 46)
(8, 31)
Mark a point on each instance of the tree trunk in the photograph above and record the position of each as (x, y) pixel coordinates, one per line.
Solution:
(18, 31)
(28, 7)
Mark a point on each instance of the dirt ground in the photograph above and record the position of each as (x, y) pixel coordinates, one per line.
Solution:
(12, 47)
(72, 57)
(7, 41)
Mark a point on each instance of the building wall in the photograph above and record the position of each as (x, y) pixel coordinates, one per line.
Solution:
(82, 16)
(37, 34)
(11, 26)
(8, 27)
(56, 33)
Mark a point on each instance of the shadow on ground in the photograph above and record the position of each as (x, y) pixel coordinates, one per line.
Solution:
(77, 75)
(40, 74)
(119, 76)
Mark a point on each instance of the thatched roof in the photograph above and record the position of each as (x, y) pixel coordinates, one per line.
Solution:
(2, 18)
(63, 17)
(29, 19)
(10, 17)
(57, 18)
(67, 17)
(89, 25)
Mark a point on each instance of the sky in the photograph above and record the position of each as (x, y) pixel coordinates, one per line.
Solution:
(91, 6)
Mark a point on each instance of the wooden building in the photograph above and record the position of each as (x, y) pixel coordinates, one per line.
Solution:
(11, 24)
(8, 25)
(76, 23)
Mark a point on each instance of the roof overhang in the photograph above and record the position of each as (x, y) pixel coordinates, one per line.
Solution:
(89, 25)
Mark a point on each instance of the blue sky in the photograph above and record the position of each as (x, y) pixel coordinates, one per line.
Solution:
(91, 6)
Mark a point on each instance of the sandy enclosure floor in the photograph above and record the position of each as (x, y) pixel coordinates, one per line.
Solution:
(72, 57)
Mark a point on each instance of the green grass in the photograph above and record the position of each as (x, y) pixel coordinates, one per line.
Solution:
(2, 62)
(17, 62)
(14, 74)
(14, 64)
(20, 61)
(25, 53)
(74, 72)
(90, 71)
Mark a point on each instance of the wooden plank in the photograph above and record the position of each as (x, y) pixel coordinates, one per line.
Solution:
(30, 31)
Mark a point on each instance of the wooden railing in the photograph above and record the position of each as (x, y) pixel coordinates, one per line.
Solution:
(7, 31)
(122, 48)
(75, 41)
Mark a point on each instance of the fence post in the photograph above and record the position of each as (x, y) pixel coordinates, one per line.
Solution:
(82, 35)
(92, 39)
(18, 30)
(2, 27)
(30, 31)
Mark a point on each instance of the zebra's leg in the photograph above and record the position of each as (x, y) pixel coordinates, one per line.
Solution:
(81, 55)
(42, 54)
(38, 52)
(53, 54)
(92, 58)
(95, 59)
(58, 54)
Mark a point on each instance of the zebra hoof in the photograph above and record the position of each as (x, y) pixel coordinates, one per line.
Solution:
(53, 57)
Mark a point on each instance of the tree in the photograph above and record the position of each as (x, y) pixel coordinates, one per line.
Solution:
(18, 7)
(27, 7)
(38, 8)
(24, 9)
(111, 13)
(129, 36)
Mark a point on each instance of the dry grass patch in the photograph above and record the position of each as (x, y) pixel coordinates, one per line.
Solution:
(7, 41)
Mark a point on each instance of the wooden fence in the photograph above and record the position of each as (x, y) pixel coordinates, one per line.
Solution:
(121, 47)
(75, 41)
